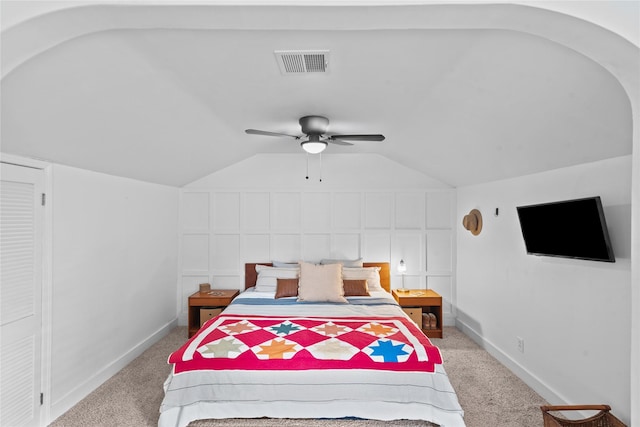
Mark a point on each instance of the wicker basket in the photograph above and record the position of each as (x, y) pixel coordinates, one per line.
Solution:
(603, 418)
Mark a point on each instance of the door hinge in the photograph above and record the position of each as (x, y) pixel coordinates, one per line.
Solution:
(41, 398)
(44, 199)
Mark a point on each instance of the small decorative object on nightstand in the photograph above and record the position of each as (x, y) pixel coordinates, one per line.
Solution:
(204, 305)
(420, 302)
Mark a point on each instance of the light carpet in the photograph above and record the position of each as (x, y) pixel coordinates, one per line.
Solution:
(490, 394)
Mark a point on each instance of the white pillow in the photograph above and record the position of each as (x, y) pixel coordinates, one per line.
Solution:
(280, 264)
(344, 262)
(267, 280)
(371, 274)
(320, 283)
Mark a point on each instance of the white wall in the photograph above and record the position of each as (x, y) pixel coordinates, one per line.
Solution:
(113, 276)
(264, 209)
(573, 315)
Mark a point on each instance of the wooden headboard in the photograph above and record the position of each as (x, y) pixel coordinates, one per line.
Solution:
(250, 274)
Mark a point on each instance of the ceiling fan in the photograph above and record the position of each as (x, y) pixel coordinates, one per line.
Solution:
(315, 128)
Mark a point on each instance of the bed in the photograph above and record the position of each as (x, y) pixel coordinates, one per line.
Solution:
(283, 351)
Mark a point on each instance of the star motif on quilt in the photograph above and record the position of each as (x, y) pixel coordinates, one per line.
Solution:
(239, 327)
(277, 348)
(330, 329)
(377, 329)
(227, 347)
(284, 328)
(333, 349)
(388, 351)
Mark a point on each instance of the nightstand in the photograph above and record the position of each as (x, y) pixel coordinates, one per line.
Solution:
(416, 303)
(209, 304)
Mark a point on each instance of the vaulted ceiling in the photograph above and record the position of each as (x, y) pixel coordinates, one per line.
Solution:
(164, 93)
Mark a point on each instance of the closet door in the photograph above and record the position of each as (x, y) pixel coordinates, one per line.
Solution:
(21, 216)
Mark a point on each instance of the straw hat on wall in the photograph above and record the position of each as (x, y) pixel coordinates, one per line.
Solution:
(473, 222)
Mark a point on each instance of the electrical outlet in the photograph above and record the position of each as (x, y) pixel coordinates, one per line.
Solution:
(520, 344)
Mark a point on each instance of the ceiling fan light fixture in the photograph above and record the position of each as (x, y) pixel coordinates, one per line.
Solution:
(313, 147)
(315, 129)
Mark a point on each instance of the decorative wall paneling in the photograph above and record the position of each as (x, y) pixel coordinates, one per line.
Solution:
(222, 230)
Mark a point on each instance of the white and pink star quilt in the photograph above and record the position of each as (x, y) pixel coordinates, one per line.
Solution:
(297, 343)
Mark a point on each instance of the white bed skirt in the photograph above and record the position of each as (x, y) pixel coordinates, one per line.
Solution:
(385, 411)
(365, 394)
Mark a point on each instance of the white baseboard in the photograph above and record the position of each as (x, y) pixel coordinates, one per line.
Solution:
(65, 403)
(449, 319)
(521, 372)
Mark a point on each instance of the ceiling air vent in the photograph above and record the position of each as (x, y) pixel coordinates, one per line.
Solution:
(302, 61)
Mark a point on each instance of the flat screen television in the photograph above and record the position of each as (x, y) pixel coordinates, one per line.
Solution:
(569, 229)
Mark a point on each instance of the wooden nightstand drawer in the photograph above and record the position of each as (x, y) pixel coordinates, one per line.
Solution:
(208, 313)
(415, 313)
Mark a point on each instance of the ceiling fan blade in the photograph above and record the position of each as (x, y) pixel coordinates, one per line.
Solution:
(264, 132)
(373, 138)
(337, 142)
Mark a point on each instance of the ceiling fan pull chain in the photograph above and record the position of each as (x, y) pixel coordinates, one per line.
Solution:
(320, 167)
(307, 177)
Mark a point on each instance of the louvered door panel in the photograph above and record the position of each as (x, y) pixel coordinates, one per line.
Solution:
(20, 295)
(17, 251)
(18, 402)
